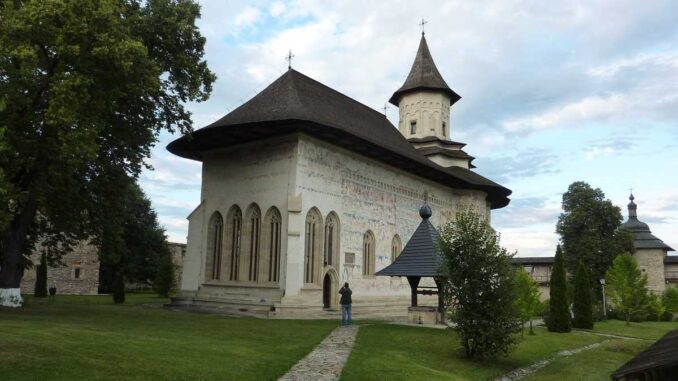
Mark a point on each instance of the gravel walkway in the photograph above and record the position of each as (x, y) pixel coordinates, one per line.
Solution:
(327, 360)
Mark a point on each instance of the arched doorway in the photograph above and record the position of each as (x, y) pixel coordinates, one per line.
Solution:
(331, 290)
(327, 291)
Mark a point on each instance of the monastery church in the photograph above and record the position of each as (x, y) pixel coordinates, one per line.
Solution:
(304, 188)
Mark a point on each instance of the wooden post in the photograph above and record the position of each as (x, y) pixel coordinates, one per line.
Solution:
(414, 283)
(440, 283)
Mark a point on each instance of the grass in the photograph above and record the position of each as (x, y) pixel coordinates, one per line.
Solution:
(649, 330)
(89, 338)
(384, 351)
(392, 352)
(592, 365)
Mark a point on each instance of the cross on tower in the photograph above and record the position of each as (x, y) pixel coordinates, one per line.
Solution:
(288, 58)
(421, 24)
(385, 108)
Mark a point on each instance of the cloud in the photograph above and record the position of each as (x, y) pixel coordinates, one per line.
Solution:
(528, 211)
(527, 163)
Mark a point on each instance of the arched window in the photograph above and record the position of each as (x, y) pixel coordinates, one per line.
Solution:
(233, 236)
(215, 234)
(331, 247)
(250, 261)
(270, 246)
(396, 247)
(313, 246)
(368, 253)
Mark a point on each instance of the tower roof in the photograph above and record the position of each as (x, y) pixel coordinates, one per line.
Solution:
(295, 103)
(420, 256)
(642, 236)
(424, 75)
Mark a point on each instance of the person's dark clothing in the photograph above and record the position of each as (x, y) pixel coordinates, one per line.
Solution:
(345, 296)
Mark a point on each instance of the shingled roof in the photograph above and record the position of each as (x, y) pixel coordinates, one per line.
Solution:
(295, 103)
(420, 256)
(424, 75)
(642, 236)
(658, 362)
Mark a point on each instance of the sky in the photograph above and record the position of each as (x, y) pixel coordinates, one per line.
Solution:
(552, 92)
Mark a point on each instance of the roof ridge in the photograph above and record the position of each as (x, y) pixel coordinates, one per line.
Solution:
(343, 95)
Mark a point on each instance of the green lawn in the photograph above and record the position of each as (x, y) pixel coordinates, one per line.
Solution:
(650, 330)
(593, 365)
(391, 352)
(89, 338)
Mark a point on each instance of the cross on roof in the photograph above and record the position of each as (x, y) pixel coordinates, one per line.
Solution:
(421, 24)
(385, 108)
(288, 58)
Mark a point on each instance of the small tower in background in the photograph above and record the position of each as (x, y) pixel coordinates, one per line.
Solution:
(424, 102)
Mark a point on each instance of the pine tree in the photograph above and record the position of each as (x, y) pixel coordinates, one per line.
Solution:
(559, 314)
(165, 279)
(583, 310)
(41, 278)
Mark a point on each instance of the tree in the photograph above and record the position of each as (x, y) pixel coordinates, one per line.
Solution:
(527, 297)
(670, 300)
(582, 304)
(137, 251)
(479, 286)
(589, 230)
(41, 277)
(626, 287)
(165, 278)
(85, 88)
(559, 319)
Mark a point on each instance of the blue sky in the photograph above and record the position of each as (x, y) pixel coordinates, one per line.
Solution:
(552, 92)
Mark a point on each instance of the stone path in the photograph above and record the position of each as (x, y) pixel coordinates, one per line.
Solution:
(327, 360)
(523, 372)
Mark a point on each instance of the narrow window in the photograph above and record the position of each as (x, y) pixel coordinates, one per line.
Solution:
(235, 222)
(77, 273)
(396, 247)
(274, 249)
(368, 253)
(413, 127)
(254, 245)
(444, 129)
(214, 246)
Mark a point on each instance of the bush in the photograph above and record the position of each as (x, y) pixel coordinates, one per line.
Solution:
(164, 280)
(559, 314)
(670, 299)
(655, 308)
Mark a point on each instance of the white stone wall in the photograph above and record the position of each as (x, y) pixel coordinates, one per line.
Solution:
(430, 110)
(258, 173)
(297, 173)
(368, 195)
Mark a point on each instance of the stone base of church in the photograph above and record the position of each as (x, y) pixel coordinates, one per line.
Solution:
(306, 305)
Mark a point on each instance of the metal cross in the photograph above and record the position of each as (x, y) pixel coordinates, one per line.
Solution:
(423, 22)
(385, 108)
(289, 59)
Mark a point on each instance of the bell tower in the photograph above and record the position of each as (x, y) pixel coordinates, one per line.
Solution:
(424, 102)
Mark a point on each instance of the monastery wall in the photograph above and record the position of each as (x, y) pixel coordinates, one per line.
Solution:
(368, 195)
(79, 274)
(651, 262)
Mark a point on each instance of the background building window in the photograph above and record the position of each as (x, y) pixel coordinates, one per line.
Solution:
(313, 246)
(396, 247)
(77, 273)
(413, 127)
(214, 246)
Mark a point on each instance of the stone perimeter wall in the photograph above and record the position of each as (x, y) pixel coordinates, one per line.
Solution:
(84, 257)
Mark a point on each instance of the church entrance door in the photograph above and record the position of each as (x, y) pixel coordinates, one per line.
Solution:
(327, 291)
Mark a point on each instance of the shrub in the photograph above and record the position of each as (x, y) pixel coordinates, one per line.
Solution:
(583, 312)
(559, 314)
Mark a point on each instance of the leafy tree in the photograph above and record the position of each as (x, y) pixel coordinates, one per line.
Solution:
(582, 304)
(479, 286)
(559, 319)
(527, 297)
(670, 300)
(41, 277)
(165, 278)
(86, 86)
(589, 230)
(655, 308)
(137, 251)
(626, 287)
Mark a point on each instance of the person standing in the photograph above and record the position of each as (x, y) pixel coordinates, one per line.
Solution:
(345, 302)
